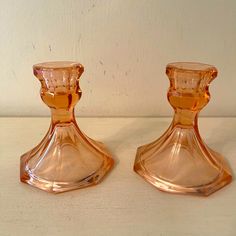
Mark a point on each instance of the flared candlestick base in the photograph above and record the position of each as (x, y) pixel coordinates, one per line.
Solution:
(65, 160)
(179, 162)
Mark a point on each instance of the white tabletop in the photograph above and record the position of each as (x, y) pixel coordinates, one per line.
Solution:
(123, 204)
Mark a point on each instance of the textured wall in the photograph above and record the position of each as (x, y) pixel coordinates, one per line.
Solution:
(124, 46)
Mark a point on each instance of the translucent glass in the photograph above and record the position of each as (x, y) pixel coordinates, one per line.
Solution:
(66, 158)
(179, 161)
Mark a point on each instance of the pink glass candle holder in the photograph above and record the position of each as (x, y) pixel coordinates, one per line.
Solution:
(179, 161)
(66, 158)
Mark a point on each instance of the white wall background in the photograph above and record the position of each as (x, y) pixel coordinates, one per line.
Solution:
(124, 46)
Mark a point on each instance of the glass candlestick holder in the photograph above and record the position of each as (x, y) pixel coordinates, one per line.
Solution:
(66, 158)
(179, 161)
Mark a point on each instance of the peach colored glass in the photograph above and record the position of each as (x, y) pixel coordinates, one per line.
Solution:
(179, 161)
(66, 158)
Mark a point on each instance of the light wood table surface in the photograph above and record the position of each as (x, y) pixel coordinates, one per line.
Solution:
(123, 204)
